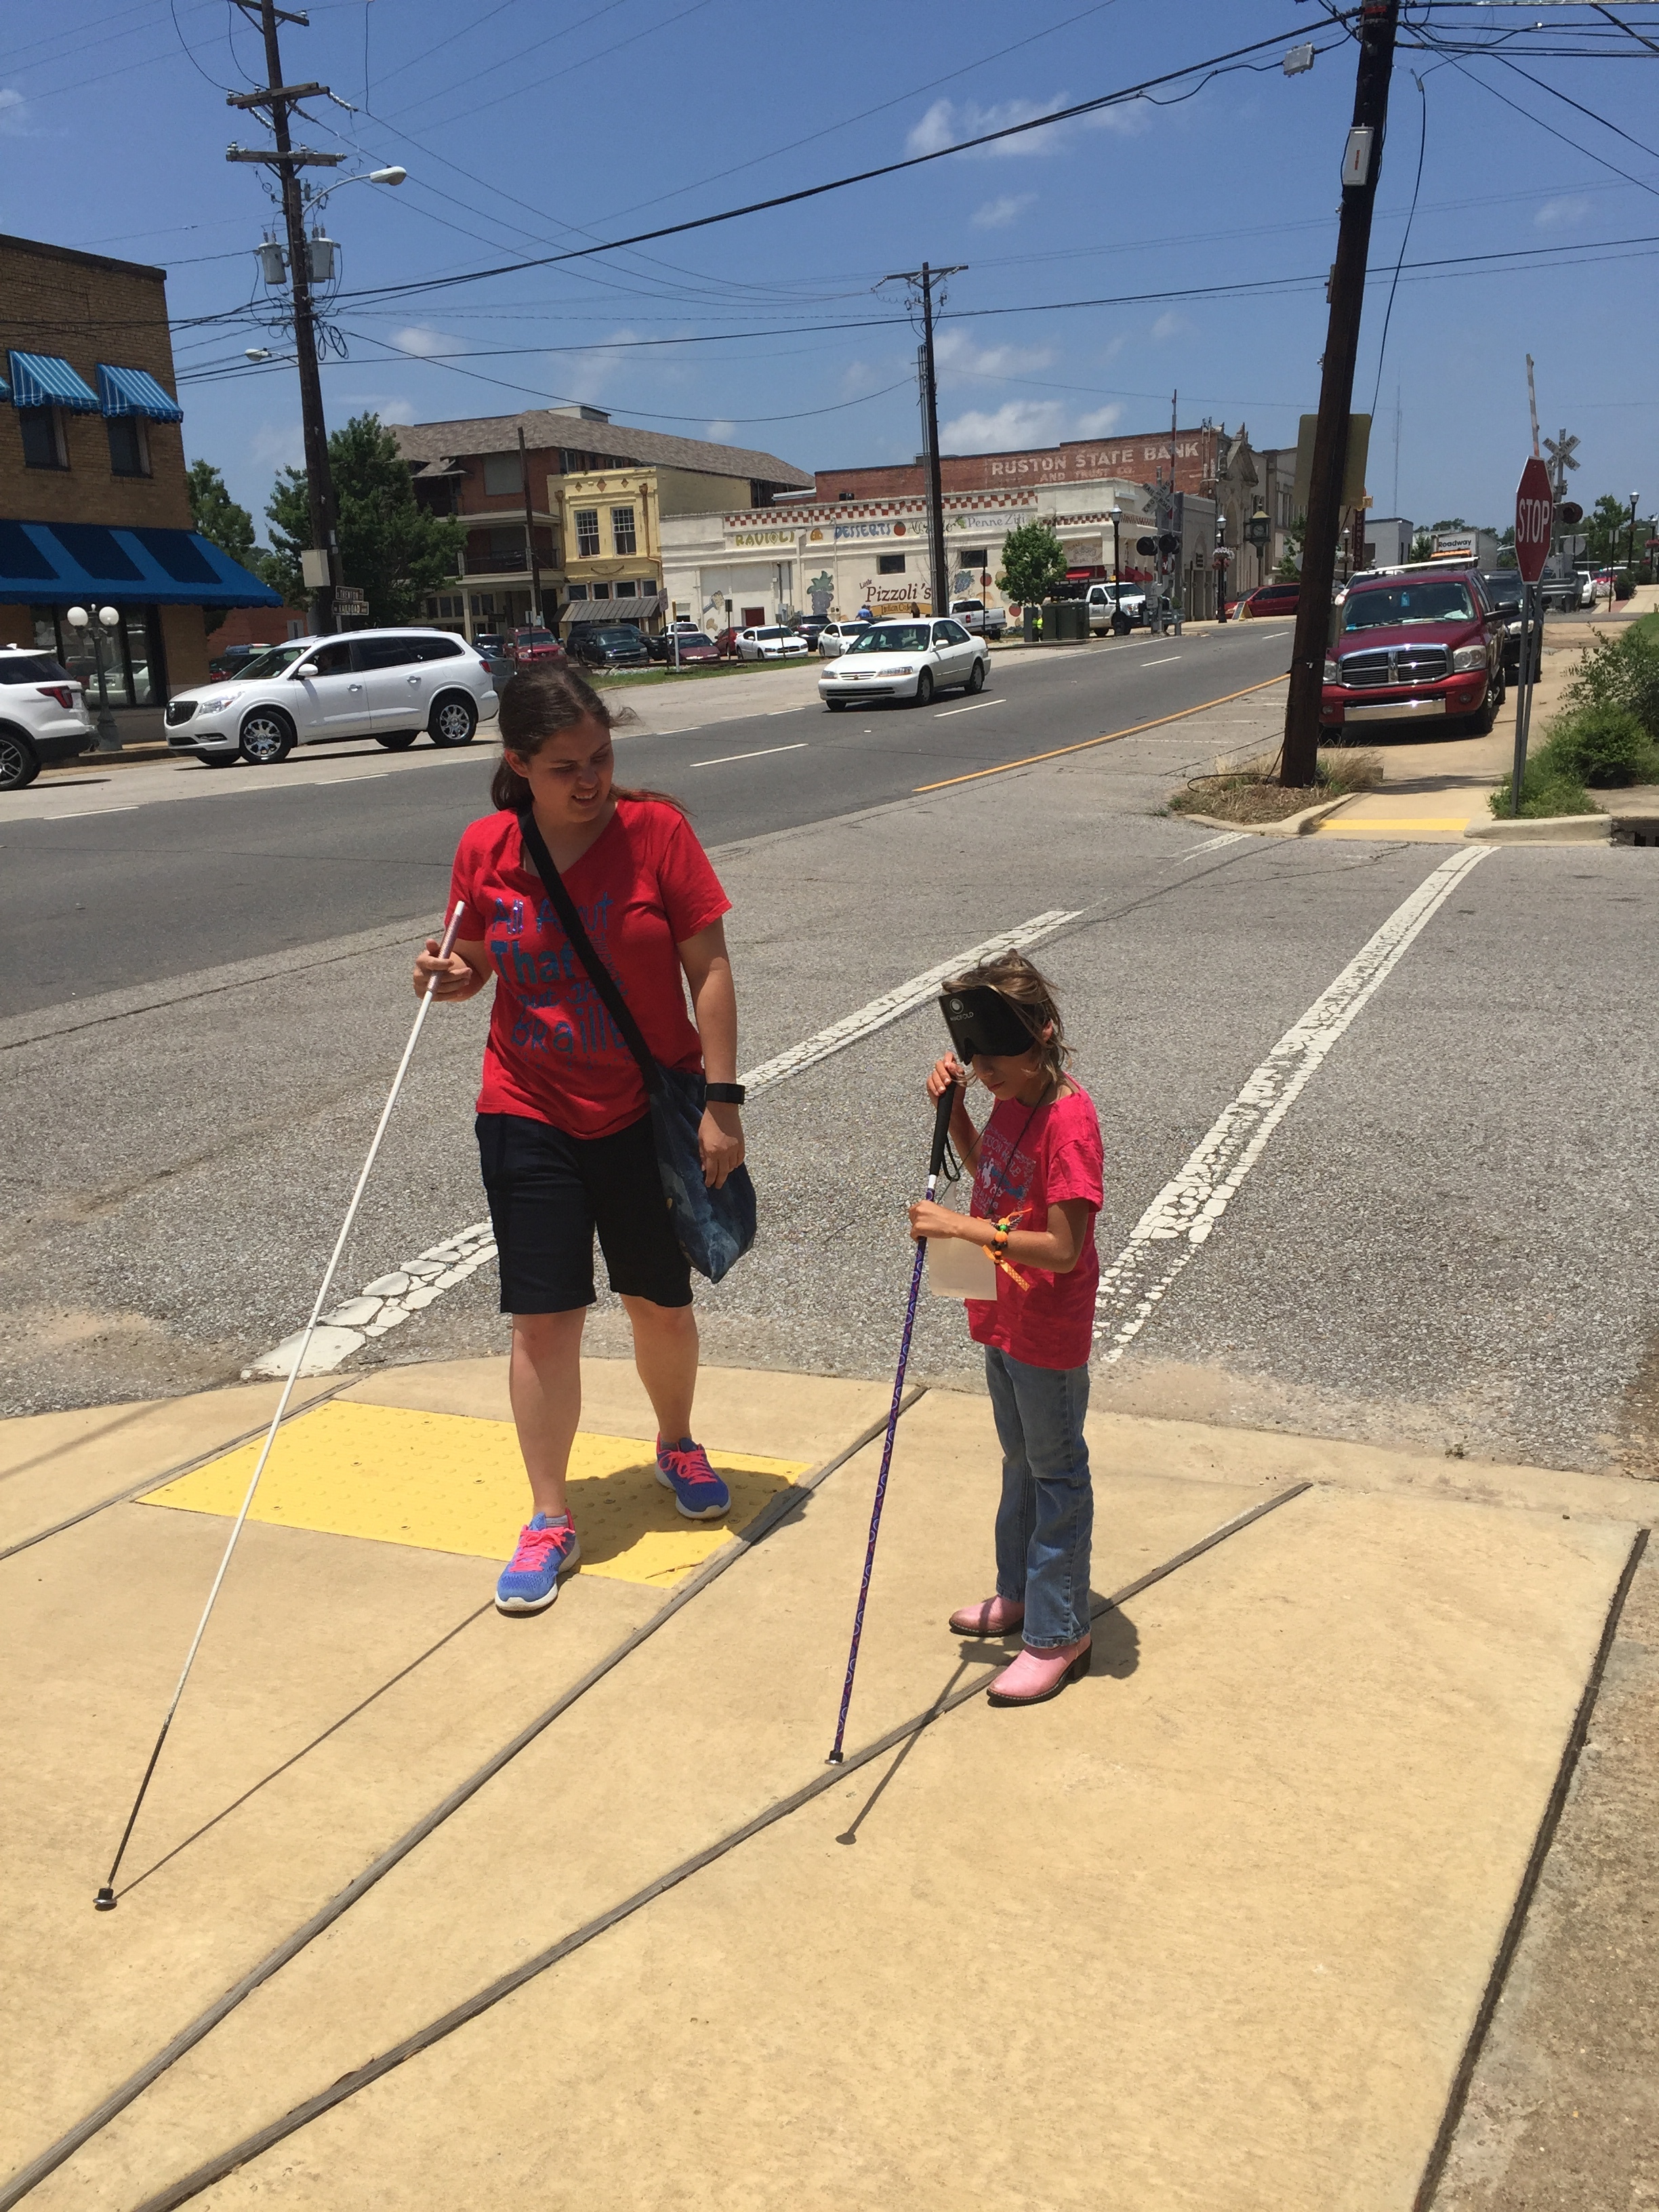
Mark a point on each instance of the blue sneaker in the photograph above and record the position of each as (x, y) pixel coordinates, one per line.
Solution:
(530, 1581)
(698, 1491)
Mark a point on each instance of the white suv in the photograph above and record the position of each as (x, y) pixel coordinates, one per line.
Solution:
(43, 716)
(387, 684)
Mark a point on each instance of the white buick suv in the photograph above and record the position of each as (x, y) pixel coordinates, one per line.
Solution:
(387, 684)
(43, 716)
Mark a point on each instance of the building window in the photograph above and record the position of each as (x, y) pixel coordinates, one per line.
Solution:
(502, 474)
(483, 603)
(622, 530)
(43, 438)
(587, 519)
(889, 564)
(133, 663)
(601, 591)
(575, 590)
(507, 549)
(974, 557)
(843, 495)
(129, 448)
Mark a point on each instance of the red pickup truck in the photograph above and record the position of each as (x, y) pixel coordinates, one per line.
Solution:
(1414, 648)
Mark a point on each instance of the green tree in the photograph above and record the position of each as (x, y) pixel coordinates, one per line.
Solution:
(1422, 547)
(391, 547)
(1606, 532)
(217, 516)
(1033, 560)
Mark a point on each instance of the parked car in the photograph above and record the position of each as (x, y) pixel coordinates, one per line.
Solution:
(621, 646)
(684, 648)
(234, 658)
(772, 643)
(530, 648)
(810, 627)
(905, 660)
(835, 636)
(1276, 598)
(490, 641)
(983, 621)
(1506, 595)
(387, 684)
(1426, 649)
(43, 716)
(1116, 607)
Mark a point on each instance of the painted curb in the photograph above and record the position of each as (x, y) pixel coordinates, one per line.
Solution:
(1546, 830)
(1293, 825)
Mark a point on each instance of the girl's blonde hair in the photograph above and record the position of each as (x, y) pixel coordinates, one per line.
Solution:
(1030, 993)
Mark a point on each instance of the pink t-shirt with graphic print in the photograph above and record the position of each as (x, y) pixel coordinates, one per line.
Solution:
(1056, 1156)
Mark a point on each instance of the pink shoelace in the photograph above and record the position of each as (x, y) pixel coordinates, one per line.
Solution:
(690, 1466)
(535, 1544)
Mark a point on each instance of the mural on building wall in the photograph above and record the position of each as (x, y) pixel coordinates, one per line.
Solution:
(821, 593)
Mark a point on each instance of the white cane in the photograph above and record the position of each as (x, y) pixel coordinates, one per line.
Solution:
(105, 1900)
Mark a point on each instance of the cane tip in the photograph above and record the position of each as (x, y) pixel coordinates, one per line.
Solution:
(834, 1760)
(105, 1900)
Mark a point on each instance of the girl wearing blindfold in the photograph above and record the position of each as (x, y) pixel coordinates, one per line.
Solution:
(1037, 1169)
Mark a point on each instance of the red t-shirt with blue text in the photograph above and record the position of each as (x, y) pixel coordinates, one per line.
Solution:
(1033, 1160)
(643, 887)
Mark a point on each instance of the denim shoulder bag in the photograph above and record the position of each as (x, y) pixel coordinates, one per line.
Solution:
(715, 1228)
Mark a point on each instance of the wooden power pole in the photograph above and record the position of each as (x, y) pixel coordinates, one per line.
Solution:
(1361, 164)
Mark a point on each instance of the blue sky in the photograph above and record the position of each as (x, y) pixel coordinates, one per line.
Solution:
(529, 128)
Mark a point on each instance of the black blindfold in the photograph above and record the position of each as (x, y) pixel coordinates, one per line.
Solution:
(982, 1021)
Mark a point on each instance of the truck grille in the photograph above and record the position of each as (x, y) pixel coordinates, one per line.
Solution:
(179, 710)
(1415, 664)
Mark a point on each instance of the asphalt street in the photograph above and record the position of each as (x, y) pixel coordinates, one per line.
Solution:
(109, 880)
(1444, 1242)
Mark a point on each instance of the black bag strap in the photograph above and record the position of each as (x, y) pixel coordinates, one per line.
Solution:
(582, 946)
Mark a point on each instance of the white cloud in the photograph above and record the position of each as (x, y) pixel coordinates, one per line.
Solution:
(956, 355)
(721, 433)
(998, 215)
(947, 124)
(1170, 325)
(1016, 423)
(1101, 423)
(417, 338)
(278, 446)
(585, 375)
(1560, 214)
(13, 113)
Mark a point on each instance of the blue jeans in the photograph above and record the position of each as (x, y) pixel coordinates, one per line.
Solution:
(1048, 1512)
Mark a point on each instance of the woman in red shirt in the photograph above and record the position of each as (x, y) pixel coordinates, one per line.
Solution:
(564, 1124)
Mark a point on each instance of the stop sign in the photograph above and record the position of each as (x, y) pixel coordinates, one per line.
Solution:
(1533, 508)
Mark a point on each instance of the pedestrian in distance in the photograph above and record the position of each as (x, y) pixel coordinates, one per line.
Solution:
(564, 1124)
(1036, 1169)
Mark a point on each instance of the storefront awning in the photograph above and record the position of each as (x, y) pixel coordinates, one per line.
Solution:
(42, 380)
(613, 611)
(52, 564)
(135, 392)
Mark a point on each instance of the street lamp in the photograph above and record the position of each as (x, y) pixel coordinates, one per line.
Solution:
(109, 619)
(1117, 519)
(1631, 562)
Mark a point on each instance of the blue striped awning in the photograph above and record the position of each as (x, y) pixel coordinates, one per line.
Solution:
(56, 564)
(42, 380)
(135, 392)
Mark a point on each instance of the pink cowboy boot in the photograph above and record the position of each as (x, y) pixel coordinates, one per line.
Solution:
(993, 1616)
(1035, 1676)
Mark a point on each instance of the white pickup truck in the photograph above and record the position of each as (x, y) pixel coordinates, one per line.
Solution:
(974, 615)
(1116, 607)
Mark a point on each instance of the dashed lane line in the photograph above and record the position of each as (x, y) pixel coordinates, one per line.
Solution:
(977, 707)
(410, 1286)
(1184, 1213)
(1167, 661)
(765, 752)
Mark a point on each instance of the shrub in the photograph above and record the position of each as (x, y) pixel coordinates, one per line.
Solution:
(1545, 791)
(1600, 746)
(1621, 671)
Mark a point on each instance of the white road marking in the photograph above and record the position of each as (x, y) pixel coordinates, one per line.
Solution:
(721, 759)
(1186, 1209)
(80, 814)
(973, 709)
(1163, 663)
(412, 1284)
(1214, 844)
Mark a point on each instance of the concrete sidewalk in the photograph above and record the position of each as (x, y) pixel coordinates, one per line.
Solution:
(1223, 1913)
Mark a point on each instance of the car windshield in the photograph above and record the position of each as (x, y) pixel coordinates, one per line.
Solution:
(891, 637)
(535, 637)
(1504, 591)
(1398, 606)
(617, 637)
(269, 664)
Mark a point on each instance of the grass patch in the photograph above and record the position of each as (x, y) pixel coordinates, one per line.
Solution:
(633, 679)
(1253, 794)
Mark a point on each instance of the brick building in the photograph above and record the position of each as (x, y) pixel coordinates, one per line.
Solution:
(95, 511)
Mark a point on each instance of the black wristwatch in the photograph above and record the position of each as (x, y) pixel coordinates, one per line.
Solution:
(724, 1094)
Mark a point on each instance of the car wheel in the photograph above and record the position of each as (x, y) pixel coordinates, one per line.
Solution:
(453, 720)
(836, 706)
(975, 677)
(19, 762)
(219, 760)
(266, 737)
(924, 687)
(1478, 725)
(396, 741)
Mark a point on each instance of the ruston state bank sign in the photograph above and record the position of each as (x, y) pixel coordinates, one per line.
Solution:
(1138, 459)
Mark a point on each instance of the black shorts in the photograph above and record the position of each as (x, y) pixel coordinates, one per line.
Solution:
(548, 1193)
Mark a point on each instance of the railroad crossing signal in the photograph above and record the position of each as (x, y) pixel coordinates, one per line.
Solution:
(1561, 451)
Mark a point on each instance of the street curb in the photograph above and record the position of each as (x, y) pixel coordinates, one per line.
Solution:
(1293, 825)
(1546, 830)
(128, 757)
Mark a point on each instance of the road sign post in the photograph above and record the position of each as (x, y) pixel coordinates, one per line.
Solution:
(1534, 520)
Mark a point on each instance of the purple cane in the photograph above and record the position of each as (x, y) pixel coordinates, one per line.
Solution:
(941, 1133)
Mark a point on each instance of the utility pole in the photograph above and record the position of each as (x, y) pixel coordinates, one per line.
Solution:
(1362, 163)
(288, 161)
(924, 278)
(530, 534)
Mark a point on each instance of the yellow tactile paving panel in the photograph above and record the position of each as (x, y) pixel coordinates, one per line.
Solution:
(449, 1482)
